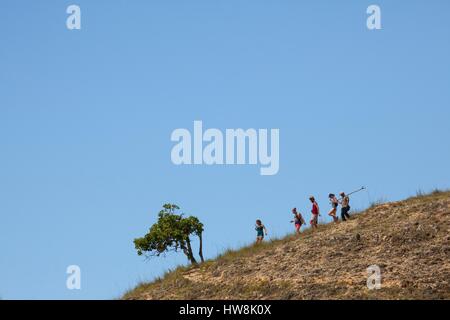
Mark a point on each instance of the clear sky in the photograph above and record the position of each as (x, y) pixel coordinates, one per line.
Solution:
(86, 117)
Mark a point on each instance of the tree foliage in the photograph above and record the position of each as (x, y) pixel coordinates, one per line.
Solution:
(171, 232)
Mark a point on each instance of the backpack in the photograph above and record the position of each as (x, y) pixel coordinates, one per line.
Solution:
(302, 221)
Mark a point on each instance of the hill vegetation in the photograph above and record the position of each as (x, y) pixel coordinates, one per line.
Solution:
(409, 241)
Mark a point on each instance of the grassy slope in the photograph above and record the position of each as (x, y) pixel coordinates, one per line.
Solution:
(408, 240)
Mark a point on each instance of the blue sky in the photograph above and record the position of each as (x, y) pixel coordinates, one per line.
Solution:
(86, 118)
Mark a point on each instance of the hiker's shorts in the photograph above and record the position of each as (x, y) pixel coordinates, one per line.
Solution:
(345, 211)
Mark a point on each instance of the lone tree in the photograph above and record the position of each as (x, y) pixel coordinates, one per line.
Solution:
(171, 233)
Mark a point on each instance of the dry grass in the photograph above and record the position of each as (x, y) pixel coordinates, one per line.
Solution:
(409, 240)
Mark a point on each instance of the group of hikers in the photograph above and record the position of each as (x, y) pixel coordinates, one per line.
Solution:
(299, 221)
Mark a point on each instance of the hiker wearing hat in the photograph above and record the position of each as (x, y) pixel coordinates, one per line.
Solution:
(334, 205)
(315, 213)
(298, 220)
(345, 206)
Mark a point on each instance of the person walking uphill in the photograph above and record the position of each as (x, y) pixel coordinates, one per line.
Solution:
(345, 206)
(298, 220)
(315, 211)
(260, 230)
(334, 205)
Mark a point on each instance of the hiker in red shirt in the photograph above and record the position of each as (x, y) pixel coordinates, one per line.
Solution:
(315, 211)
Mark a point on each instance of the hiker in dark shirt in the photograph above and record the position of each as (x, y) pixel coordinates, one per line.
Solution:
(334, 205)
(298, 220)
(345, 206)
(260, 231)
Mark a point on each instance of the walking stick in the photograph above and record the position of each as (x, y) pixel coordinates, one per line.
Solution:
(353, 192)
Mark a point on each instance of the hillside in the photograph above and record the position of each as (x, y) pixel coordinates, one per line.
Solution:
(408, 240)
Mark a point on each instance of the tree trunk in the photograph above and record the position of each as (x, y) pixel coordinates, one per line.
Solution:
(185, 251)
(189, 251)
(200, 251)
